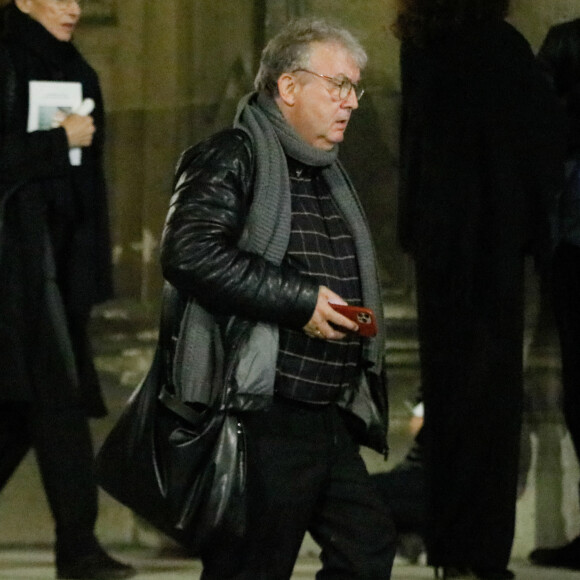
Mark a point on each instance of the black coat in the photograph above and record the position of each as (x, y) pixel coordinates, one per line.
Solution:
(559, 56)
(67, 202)
(482, 164)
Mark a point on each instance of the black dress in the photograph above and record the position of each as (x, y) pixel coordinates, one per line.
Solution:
(62, 208)
(481, 147)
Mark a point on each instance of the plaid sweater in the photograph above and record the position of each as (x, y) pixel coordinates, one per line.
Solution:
(322, 247)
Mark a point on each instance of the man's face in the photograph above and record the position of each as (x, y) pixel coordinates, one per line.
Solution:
(59, 17)
(318, 115)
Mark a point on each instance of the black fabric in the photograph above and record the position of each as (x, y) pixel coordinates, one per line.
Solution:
(566, 292)
(178, 466)
(63, 449)
(559, 56)
(403, 489)
(61, 209)
(184, 477)
(69, 201)
(305, 473)
(481, 150)
(199, 256)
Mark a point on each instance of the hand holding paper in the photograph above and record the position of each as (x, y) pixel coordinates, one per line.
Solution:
(60, 104)
(86, 108)
(79, 129)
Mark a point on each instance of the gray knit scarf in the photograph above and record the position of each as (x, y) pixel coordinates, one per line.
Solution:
(267, 230)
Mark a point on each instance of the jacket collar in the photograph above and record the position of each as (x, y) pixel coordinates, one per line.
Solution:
(19, 28)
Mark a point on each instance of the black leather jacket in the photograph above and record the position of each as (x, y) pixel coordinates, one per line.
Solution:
(248, 296)
(199, 255)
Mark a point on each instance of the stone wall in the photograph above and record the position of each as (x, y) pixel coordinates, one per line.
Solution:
(172, 73)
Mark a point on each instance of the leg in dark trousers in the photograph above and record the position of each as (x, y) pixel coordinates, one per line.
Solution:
(89, 383)
(14, 438)
(566, 290)
(305, 474)
(63, 447)
(61, 441)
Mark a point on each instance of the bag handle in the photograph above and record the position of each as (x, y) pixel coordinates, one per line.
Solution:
(183, 410)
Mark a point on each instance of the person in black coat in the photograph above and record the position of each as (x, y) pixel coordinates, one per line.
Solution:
(559, 56)
(481, 160)
(55, 264)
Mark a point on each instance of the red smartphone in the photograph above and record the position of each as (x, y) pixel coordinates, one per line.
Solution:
(364, 317)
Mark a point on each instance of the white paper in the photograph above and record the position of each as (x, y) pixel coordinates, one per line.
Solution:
(46, 99)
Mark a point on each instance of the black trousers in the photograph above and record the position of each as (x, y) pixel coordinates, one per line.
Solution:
(471, 347)
(61, 440)
(566, 292)
(305, 473)
(403, 490)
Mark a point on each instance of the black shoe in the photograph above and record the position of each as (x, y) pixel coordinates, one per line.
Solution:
(96, 566)
(567, 556)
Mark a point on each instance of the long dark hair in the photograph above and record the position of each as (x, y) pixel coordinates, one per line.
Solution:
(420, 20)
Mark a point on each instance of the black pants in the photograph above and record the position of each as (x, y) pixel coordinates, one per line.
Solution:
(403, 490)
(61, 441)
(305, 474)
(471, 344)
(566, 292)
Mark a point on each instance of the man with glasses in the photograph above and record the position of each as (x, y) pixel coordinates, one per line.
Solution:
(55, 263)
(265, 232)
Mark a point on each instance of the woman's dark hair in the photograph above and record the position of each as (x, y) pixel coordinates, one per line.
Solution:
(420, 20)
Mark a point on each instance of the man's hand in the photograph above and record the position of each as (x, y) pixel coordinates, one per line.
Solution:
(79, 130)
(318, 326)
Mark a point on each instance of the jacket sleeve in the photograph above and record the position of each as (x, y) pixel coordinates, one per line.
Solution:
(34, 156)
(199, 253)
(23, 155)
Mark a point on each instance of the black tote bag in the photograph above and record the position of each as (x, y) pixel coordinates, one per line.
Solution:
(180, 469)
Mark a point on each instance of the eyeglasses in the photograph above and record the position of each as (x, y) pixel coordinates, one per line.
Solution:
(342, 84)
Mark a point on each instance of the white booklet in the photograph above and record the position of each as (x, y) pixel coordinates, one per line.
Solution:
(49, 98)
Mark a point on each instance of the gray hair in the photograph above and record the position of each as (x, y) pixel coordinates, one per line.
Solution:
(290, 50)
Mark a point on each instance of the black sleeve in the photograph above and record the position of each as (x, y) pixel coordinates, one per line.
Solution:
(199, 252)
(23, 155)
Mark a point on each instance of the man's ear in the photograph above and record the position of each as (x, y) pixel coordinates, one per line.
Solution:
(287, 87)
